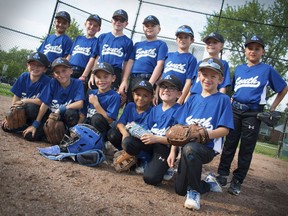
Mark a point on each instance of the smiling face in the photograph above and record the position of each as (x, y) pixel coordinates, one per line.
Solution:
(151, 30)
(184, 41)
(142, 98)
(35, 68)
(103, 80)
(119, 23)
(61, 25)
(62, 74)
(168, 92)
(92, 27)
(214, 47)
(209, 80)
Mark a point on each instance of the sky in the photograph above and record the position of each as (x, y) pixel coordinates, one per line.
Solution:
(33, 17)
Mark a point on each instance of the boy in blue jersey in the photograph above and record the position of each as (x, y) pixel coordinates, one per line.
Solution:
(137, 112)
(114, 47)
(158, 122)
(214, 44)
(102, 104)
(147, 60)
(58, 44)
(212, 110)
(28, 88)
(249, 84)
(63, 95)
(84, 49)
(181, 63)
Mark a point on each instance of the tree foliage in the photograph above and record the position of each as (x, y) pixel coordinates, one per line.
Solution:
(239, 23)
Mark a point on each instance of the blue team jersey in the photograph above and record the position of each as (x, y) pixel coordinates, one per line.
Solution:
(196, 85)
(114, 50)
(146, 54)
(55, 95)
(130, 114)
(159, 121)
(109, 101)
(25, 88)
(250, 83)
(181, 65)
(211, 112)
(55, 46)
(82, 50)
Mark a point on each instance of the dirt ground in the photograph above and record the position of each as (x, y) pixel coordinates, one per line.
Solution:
(33, 185)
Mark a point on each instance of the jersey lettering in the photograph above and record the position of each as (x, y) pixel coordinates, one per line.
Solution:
(82, 50)
(201, 121)
(91, 112)
(250, 82)
(175, 67)
(55, 104)
(145, 53)
(157, 131)
(112, 51)
(52, 49)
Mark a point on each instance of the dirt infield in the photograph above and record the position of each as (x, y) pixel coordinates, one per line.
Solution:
(33, 185)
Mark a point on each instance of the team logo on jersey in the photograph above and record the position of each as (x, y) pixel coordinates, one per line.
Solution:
(145, 53)
(252, 82)
(81, 50)
(55, 104)
(158, 131)
(112, 51)
(204, 122)
(180, 68)
(91, 112)
(52, 49)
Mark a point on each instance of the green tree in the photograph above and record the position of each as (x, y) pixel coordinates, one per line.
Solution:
(238, 23)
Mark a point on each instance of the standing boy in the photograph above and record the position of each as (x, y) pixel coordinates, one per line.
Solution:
(58, 44)
(212, 110)
(114, 47)
(249, 84)
(147, 59)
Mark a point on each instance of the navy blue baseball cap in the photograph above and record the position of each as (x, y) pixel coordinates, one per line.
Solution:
(255, 39)
(122, 13)
(96, 18)
(38, 57)
(173, 80)
(143, 84)
(186, 30)
(213, 64)
(103, 66)
(65, 15)
(151, 19)
(60, 61)
(215, 36)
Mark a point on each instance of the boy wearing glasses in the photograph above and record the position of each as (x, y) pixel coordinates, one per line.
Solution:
(114, 48)
(158, 122)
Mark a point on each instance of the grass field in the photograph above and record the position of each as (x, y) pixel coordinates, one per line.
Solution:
(5, 89)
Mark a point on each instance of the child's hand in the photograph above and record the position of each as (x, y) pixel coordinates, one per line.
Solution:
(91, 81)
(31, 130)
(155, 100)
(171, 159)
(93, 99)
(123, 88)
(148, 138)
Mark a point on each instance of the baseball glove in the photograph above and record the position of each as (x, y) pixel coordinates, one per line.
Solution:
(16, 117)
(136, 130)
(54, 129)
(179, 135)
(122, 161)
(269, 118)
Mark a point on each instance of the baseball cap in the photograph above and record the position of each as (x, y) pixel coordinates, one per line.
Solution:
(152, 19)
(143, 84)
(186, 30)
(215, 36)
(38, 57)
(60, 61)
(255, 39)
(65, 15)
(213, 64)
(96, 18)
(121, 13)
(103, 66)
(172, 80)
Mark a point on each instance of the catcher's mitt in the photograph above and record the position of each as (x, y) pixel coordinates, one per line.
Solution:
(123, 161)
(136, 130)
(16, 117)
(179, 135)
(269, 118)
(54, 129)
